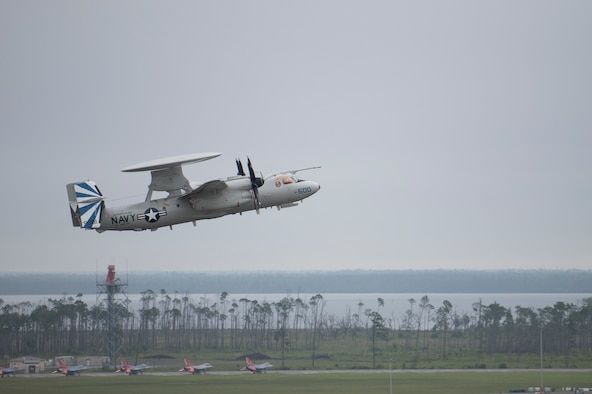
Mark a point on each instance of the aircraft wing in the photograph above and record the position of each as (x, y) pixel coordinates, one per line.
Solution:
(207, 190)
(203, 367)
(259, 367)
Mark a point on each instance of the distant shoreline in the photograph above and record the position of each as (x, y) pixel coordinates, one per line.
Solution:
(323, 282)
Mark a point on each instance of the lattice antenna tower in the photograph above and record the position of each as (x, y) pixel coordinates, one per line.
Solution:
(113, 301)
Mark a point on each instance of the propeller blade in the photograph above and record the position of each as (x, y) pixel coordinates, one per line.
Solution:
(251, 172)
(254, 180)
(256, 195)
(255, 184)
(239, 167)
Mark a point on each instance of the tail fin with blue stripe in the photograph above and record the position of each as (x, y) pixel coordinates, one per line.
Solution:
(86, 204)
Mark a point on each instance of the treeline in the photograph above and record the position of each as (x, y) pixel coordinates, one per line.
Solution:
(176, 323)
(347, 281)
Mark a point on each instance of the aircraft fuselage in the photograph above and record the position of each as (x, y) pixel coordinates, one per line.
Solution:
(236, 197)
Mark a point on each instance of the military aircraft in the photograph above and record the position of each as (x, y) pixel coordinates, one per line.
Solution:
(69, 370)
(9, 371)
(132, 369)
(257, 368)
(186, 201)
(195, 369)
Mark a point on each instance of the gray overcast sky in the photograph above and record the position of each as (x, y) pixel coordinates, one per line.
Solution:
(451, 134)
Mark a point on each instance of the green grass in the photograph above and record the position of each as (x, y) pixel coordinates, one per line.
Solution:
(360, 357)
(273, 383)
(354, 352)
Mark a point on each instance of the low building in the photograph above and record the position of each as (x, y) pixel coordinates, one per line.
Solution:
(28, 364)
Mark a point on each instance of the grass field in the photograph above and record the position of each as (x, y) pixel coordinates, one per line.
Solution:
(361, 359)
(326, 383)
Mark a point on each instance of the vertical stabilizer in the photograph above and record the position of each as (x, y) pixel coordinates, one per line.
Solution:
(86, 204)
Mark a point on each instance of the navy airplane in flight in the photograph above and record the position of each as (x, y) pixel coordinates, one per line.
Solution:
(186, 201)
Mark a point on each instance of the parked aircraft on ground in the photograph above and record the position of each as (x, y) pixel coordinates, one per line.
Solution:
(195, 369)
(186, 201)
(9, 371)
(257, 368)
(132, 369)
(67, 370)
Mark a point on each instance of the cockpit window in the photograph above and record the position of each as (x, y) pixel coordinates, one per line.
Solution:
(286, 180)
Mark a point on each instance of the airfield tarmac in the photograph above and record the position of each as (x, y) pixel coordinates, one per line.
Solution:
(312, 372)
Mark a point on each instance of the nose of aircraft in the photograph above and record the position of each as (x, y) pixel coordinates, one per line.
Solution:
(315, 187)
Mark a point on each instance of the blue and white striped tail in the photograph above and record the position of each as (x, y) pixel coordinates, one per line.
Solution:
(86, 204)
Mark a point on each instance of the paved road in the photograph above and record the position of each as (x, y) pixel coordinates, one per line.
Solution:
(311, 372)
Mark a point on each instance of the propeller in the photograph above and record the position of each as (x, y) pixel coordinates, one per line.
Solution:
(256, 183)
(239, 167)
